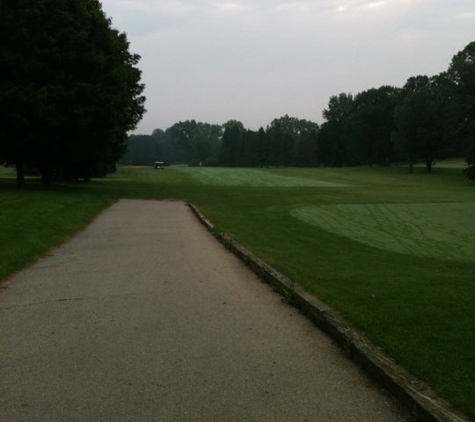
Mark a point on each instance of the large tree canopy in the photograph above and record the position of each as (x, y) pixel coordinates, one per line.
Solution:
(293, 141)
(70, 90)
(371, 124)
(334, 137)
(420, 119)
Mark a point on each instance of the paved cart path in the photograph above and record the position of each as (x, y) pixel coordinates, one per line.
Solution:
(144, 316)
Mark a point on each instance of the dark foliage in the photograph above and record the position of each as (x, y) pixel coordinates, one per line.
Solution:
(69, 91)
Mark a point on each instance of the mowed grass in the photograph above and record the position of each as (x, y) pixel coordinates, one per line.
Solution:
(252, 178)
(392, 252)
(35, 220)
(440, 230)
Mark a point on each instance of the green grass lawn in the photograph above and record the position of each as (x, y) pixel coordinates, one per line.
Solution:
(440, 230)
(393, 252)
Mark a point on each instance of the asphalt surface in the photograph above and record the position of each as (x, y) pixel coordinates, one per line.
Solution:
(145, 316)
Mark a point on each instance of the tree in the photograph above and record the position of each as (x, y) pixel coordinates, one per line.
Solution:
(461, 74)
(470, 171)
(262, 148)
(141, 151)
(194, 142)
(162, 150)
(70, 89)
(280, 143)
(231, 144)
(371, 124)
(306, 154)
(419, 120)
(335, 137)
(206, 142)
(294, 141)
(180, 135)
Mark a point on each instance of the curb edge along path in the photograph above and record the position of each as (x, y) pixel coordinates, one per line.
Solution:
(417, 397)
(145, 316)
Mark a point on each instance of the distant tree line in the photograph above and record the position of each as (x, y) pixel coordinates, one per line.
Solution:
(287, 141)
(429, 118)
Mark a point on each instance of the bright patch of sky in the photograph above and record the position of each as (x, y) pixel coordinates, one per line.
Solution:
(254, 61)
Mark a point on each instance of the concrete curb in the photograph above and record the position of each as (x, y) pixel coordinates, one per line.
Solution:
(417, 397)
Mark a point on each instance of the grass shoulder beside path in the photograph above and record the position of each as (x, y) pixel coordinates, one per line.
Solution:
(331, 230)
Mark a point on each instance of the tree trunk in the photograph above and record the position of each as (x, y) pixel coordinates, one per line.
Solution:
(429, 163)
(20, 173)
(46, 174)
(59, 173)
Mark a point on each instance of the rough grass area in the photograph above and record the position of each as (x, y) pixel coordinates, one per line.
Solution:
(35, 221)
(440, 230)
(393, 252)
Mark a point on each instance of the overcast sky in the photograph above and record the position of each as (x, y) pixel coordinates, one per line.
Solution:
(256, 60)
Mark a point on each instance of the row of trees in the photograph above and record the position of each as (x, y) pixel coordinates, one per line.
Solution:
(70, 90)
(428, 118)
(287, 141)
